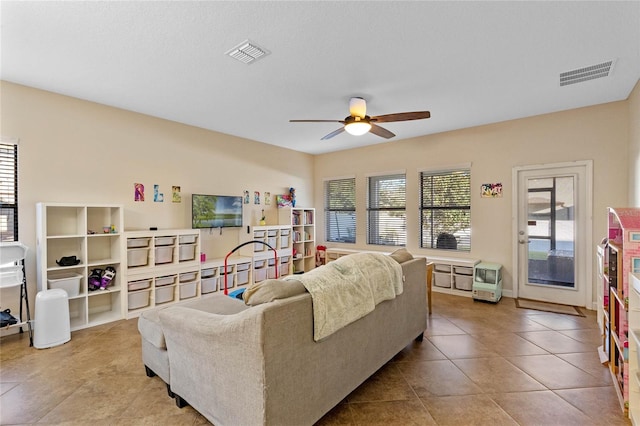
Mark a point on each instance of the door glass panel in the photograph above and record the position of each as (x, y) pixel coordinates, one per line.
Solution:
(550, 226)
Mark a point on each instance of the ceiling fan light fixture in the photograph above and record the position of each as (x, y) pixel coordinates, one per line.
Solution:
(357, 128)
(358, 107)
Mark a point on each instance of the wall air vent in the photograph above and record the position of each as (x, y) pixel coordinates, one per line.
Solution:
(586, 73)
(247, 52)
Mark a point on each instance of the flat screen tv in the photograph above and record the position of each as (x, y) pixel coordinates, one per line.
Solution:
(216, 211)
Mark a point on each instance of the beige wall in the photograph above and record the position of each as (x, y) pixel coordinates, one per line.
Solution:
(597, 133)
(81, 152)
(634, 147)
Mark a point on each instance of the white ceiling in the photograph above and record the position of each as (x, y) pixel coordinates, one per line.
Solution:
(469, 63)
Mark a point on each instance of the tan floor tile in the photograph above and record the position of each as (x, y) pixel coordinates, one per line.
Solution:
(101, 368)
(396, 413)
(600, 402)
(556, 373)
(419, 351)
(497, 375)
(589, 362)
(508, 344)
(555, 342)
(6, 386)
(517, 324)
(387, 384)
(340, 415)
(474, 410)
(542, 408)
(29, 401)
(189, 419)
(437, 378)
(586, 336)
(461, 346)
(97, 399)
(564, 322)
(154, 400)
(441, 327)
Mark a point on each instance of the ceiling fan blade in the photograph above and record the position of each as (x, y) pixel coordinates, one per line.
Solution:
(401, 116)
(332, 134)
(381, 131)
(316, 121)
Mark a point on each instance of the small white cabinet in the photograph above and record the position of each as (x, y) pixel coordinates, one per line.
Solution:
(93, 234)
(453, 275)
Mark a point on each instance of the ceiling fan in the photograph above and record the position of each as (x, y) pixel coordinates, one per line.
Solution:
(358, 122)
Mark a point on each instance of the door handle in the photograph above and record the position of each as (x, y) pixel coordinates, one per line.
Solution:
(523, 241)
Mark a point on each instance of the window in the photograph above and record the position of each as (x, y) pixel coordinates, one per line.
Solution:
(386, 210)
(445, 209)
(340, 210)
(8, 192)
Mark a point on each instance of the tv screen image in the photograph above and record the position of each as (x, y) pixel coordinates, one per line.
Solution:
(216, 211)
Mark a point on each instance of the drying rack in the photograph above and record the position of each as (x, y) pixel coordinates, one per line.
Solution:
(12, 274)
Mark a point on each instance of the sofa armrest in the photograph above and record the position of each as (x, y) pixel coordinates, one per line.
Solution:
(217, 361)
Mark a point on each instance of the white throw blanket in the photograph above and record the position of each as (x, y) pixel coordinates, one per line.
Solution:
(349, 288)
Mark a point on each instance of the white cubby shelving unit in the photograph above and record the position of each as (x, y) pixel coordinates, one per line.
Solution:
(279, 237)
(238, 274)
(154, 268)
(453, 275)
(64, 229)
(303, 236)
(162, 267)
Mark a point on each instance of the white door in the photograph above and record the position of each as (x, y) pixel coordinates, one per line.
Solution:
(552, 254)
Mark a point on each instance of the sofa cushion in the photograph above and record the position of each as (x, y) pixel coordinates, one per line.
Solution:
(149, 321)
(270, 290)
(401, 255)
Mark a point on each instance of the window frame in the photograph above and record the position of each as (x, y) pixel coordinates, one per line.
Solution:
(427, 222)
(375, 209)
(345, 208)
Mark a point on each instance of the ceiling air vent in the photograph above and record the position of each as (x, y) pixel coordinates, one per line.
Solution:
(247, 52)
(586, 73)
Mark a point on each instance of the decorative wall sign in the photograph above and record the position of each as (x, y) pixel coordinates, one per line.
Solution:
(283, 200)
(267, 198)
(157, 196)
(138, 194)
(246, 196)
(491, 190)
(175, 194)
(256, 197)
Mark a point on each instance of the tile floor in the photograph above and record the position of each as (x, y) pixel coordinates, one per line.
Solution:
(479, 364)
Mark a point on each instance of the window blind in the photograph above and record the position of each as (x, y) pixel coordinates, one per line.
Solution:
(445, 210)
(386, 210)
(8, 192)
(340, 210)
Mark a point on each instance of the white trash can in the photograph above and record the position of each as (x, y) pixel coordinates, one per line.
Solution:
(52, 324)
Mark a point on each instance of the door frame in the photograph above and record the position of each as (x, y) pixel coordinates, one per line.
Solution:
(588, 226)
